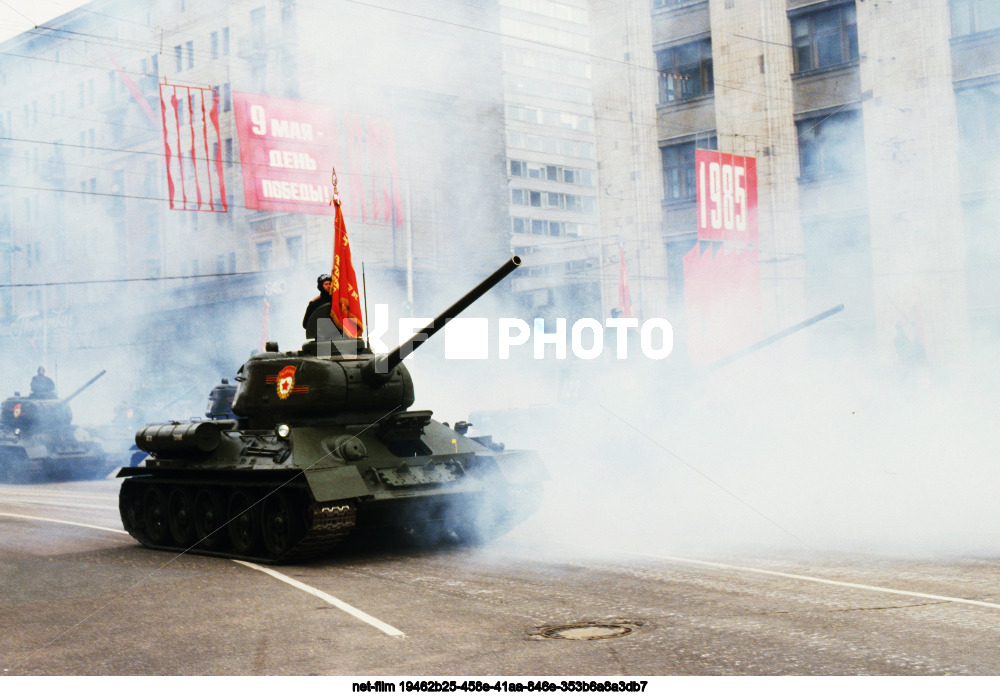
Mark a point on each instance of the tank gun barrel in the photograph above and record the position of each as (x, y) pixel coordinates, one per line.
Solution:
(89, 382)
(379, 367)
(721, 362)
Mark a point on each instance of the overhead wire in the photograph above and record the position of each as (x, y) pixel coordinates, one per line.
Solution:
(545, 45)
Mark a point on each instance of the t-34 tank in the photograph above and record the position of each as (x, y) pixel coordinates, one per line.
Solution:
(39, 443)
(322, 446)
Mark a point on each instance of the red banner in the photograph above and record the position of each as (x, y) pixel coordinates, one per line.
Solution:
(288, 147)
(192, 149)
(345, 310)
(727, 196)
(721, 272)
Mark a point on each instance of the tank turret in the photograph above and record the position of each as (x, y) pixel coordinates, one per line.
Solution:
(220, 401)
(322, 444)
(338, 377)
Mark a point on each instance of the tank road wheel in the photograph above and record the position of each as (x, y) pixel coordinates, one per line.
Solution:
(244, 527)
(154, 504)
(130, 508)
(180, 506)
(281, 525)
(209, 520)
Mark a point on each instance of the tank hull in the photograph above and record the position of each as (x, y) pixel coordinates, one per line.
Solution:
(34, 461)
(264, 498)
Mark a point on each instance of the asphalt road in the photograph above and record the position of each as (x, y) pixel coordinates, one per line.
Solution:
(88, 600)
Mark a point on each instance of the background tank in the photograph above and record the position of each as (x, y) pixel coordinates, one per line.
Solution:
(323, 445)
(38, 441)
(220, 401)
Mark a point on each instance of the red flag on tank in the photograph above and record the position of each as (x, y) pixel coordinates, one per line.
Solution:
(345, 310)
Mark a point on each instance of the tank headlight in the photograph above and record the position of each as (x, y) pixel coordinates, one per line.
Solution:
(282, 431)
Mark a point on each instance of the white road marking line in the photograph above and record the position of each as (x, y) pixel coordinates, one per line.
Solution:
(74, 524)
(330, 599)
(60, 504)
(35, 491)
(809, 578)
(776, 573)
(343, 606)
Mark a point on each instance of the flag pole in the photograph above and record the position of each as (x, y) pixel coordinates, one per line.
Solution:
(364, 288)
(336, 198)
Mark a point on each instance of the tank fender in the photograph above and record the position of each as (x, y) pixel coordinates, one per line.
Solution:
(519, 467)
(330, 477)
(34, 450)
(317, 448)
(336, 483)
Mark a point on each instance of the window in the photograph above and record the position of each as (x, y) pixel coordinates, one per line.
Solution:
(678, 171)
(974, 16)
(678, 168)
(257, 28)
(294, 247)
(824, 38)
(189, 46)
(225, 41)
(831, 146)
(214, 43)
(531, 170)
(551, 199)
(685, 71)
(979, 119)
(179, 57)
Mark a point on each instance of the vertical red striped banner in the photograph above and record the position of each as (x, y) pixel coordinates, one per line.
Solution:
(192, 148)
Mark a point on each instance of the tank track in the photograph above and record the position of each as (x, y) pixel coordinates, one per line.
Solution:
(152, 513)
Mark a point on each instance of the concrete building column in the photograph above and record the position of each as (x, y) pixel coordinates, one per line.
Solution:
(754, 114)
(911, 145)
(630, 178)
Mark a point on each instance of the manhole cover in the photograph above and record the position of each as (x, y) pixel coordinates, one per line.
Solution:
(586, 631)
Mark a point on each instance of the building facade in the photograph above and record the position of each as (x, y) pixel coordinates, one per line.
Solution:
(104, 249)
(552, 154)
(873, 125)
(562, 131)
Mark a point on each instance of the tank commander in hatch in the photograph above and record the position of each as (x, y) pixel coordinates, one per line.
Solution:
(324, 297)
(42, 385)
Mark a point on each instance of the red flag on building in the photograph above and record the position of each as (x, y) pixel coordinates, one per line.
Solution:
(345, 310)
(624, 298)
